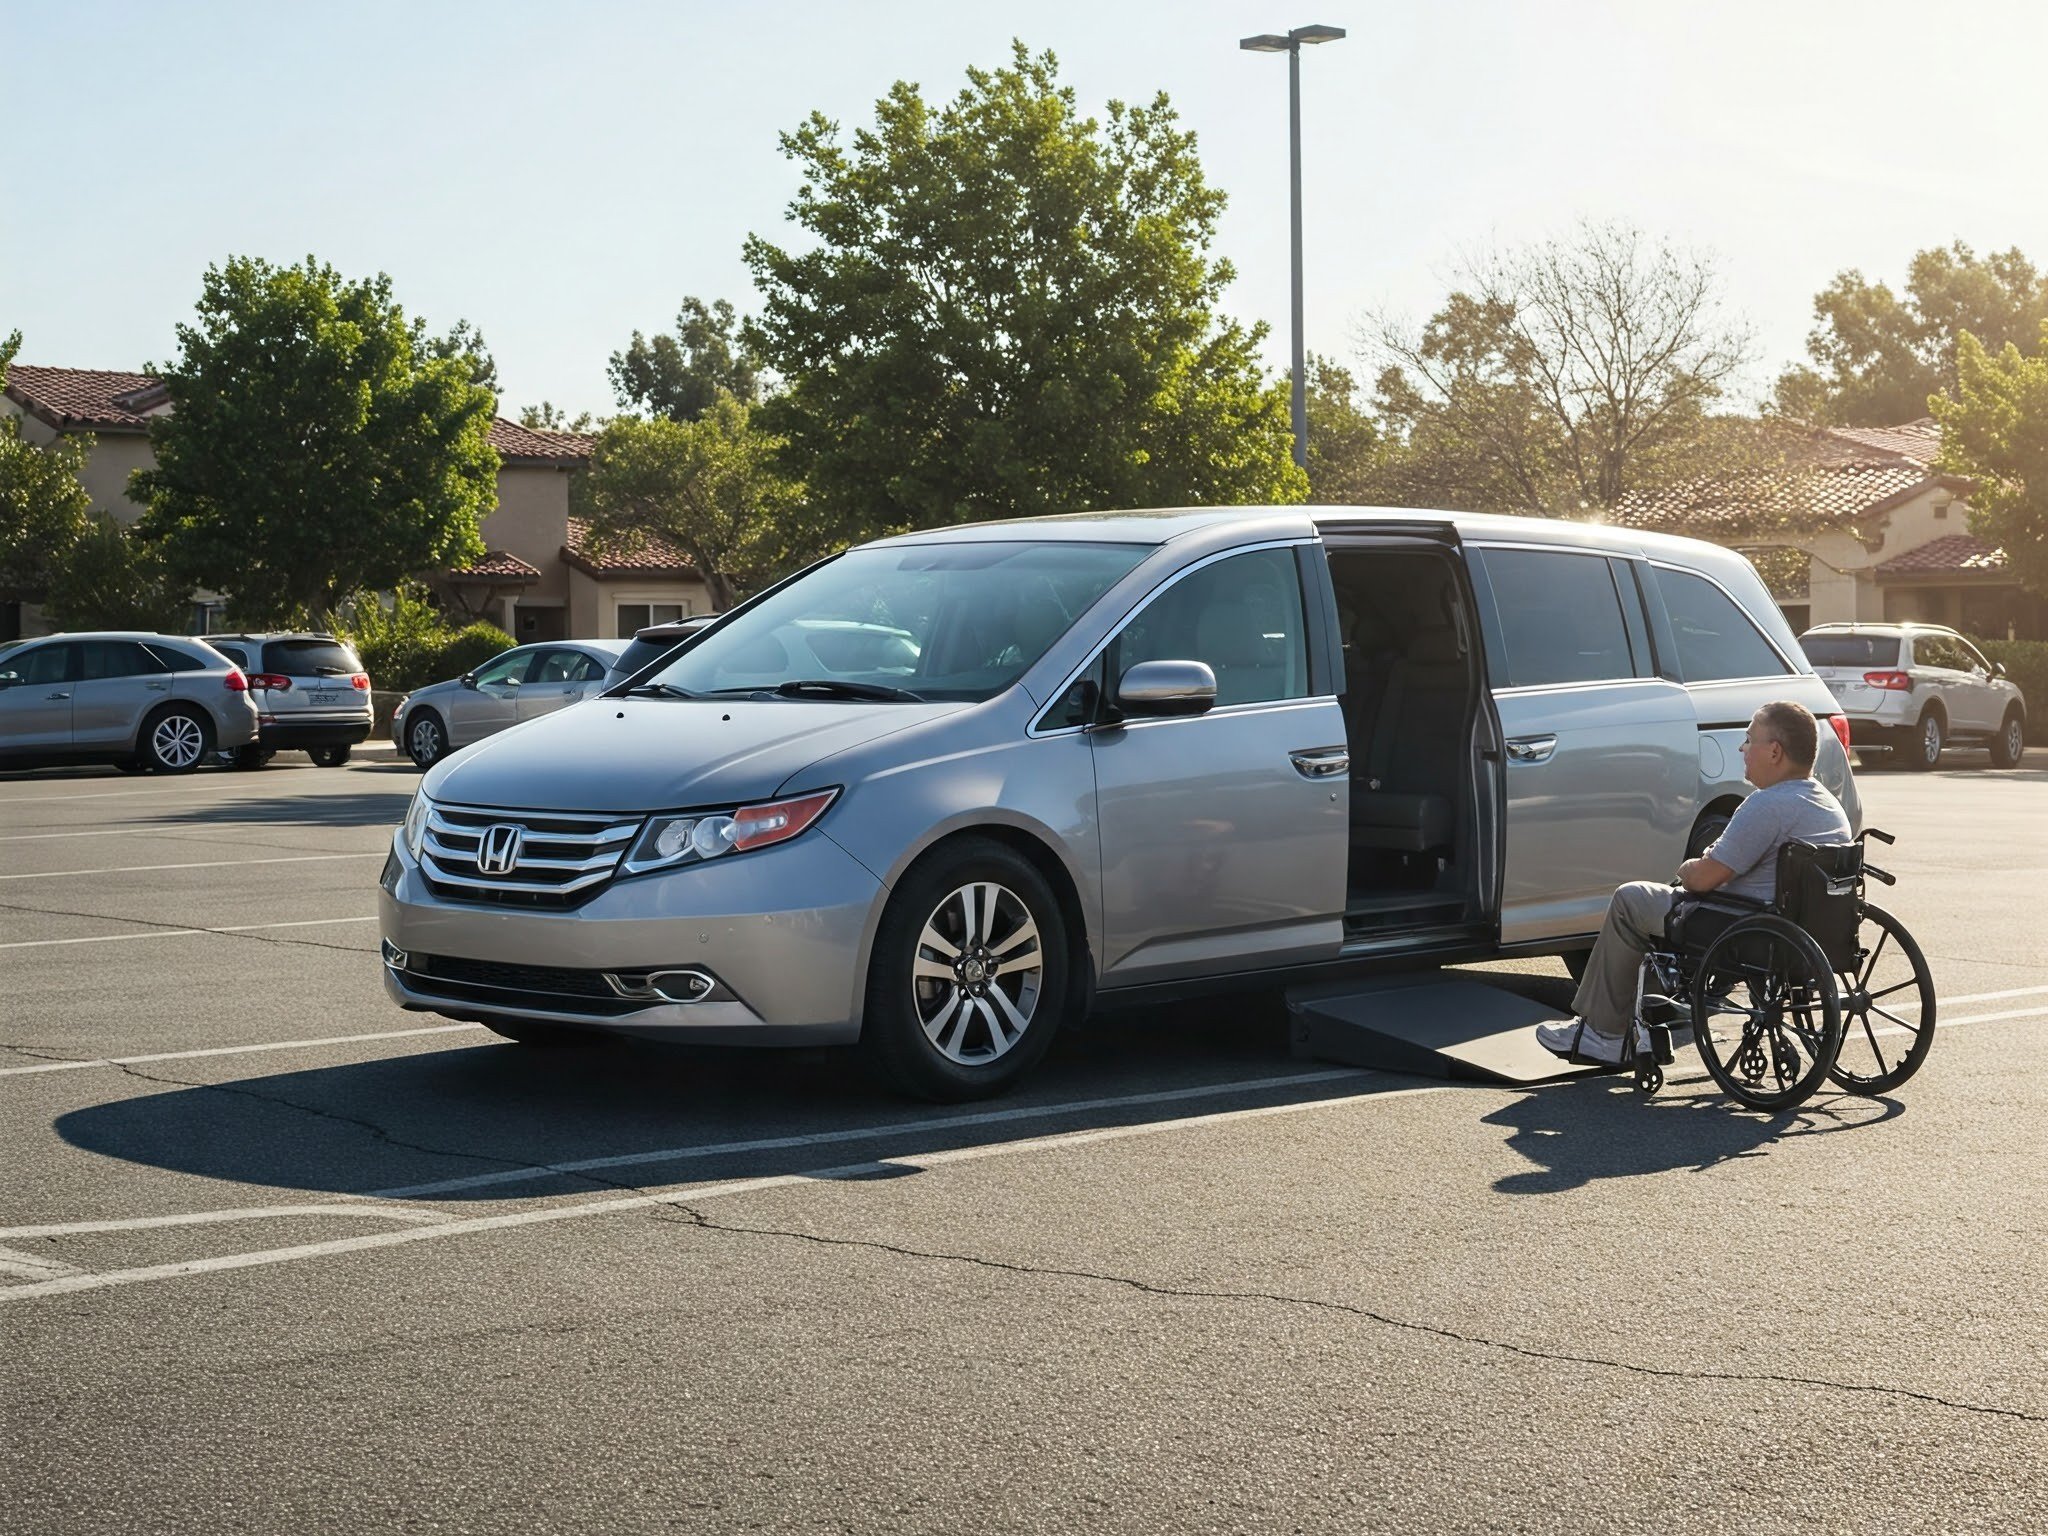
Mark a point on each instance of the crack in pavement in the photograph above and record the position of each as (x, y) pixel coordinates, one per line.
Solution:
(150, 922)
(702, 1222)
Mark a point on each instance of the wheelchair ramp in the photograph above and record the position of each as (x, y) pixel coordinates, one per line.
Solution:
(1434, 1024)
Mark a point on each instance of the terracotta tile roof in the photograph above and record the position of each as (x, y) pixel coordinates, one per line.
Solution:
(652, 555)
(529, 445)
(1830, 477)
(1954, 552)
(498, 565)
(84, 399)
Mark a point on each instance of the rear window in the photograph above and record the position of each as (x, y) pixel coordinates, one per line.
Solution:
(1851, 650)
(184, 658)
(1717, 641)
(310, 658)
(639, 653)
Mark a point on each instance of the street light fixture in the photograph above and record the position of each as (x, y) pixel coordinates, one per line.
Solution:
(1291, 45)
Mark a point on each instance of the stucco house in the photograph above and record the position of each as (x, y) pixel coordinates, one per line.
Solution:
(539, 578)
(1856, 523)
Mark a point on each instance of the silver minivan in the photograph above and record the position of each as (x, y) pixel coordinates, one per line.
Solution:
(1113, 757)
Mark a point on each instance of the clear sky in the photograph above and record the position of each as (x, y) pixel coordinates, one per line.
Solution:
(562, 174)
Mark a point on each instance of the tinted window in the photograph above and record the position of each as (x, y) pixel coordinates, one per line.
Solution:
(1241, 615)
(182, 658)
(585, 669)
(1974, 657)
(506, 667)
(310, 658)
(1560, 618)
(639, 653)
(44, 664)
(1716, 639)
(116, 658)
(1870, 651)
(1939, 651)
(239, 655)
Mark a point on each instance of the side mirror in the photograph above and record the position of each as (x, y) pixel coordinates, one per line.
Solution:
(9, 679)
(468, 679)
(1998, 669)
(1167, 688)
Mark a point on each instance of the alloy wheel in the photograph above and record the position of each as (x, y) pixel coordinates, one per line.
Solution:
(177, 741)
(425, 739)
(978, 973)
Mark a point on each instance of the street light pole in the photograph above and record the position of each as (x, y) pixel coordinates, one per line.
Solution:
(1291, 45)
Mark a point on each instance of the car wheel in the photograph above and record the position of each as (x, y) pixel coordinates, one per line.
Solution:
(2011, 741)
(250, 757)
(426, 738)
(968, 978)
(1705, 833)
(328, 757)
(175, 740)
(1924, 751)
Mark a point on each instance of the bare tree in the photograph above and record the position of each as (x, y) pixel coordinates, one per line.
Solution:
(1560, 377)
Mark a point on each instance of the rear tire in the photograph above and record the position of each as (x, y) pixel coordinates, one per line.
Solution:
(426, 739)
(2010, 744)
(175, 740)
(328, 757)
(1922, 749)
(1707, 833)
(1889, 981)
(968, 979)
(248, 758)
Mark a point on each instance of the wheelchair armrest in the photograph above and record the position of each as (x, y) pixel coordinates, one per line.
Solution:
(1723, 899)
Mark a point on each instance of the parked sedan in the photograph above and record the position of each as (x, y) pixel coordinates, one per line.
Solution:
(136, 700)
(523, 683)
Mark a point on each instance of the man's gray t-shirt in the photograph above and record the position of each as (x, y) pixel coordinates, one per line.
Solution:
(1797, 810)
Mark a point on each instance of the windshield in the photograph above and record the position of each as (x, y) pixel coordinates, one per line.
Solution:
(921, 621)
(1851, 650)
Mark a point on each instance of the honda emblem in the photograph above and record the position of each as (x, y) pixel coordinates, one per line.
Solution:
(498, 852)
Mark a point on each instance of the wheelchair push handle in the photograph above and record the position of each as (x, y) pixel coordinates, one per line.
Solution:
(1883, 837)
(1871, 869)
(1880, 874)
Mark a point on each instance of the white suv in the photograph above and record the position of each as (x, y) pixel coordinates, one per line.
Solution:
(1913, 688)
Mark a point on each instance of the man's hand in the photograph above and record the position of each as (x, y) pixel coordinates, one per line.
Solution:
(1702, 875)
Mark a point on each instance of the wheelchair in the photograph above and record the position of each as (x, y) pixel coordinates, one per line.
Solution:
(1817, 984)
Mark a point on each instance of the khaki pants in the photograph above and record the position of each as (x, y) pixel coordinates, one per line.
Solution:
(1636, 913)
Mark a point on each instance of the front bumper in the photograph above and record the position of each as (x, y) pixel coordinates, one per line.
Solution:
(783, 932)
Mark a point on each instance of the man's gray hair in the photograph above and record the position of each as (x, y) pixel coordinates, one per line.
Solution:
(1792, 726)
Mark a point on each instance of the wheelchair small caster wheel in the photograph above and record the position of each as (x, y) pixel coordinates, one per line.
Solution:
(1649, 1076)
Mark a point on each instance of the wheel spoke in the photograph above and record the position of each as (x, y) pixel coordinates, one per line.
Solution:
(1026, 933)
(935, 1026)
(958, 1047)
(931, 938)
(1910, 981)
(1018, 1021)
(931, 970)
(998, 1036)
(968, 937)
(987, 933)
(1912, 1026)
(1884, 937)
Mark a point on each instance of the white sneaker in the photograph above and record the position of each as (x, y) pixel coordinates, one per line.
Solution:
(1576, 1040)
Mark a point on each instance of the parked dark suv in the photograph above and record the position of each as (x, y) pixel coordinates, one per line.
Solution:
(311, 695)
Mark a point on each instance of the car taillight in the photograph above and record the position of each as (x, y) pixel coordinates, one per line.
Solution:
(1841, 725)
(236, 683)
(269, 682)
(1891, 682)
(361, 681)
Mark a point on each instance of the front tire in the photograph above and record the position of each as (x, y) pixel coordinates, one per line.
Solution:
(176, 740)
(1923, 749)
(328, 757)
(968, 979)
(426, 739)
(2011, 742)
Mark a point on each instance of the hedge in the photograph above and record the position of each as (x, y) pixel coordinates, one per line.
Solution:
(2026, 663)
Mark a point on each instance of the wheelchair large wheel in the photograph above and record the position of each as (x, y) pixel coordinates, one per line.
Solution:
(1765, 1014)
(1887, 1008)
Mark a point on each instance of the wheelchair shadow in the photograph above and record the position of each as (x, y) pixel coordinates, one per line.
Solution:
(1600, 1128)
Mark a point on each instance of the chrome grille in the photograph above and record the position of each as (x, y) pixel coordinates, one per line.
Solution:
(562, 858)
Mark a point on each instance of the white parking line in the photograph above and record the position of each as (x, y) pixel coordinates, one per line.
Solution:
(214, 1218)
(143, 869)
(609, 1207)
(236, 789)
(232, 1050)
(184, 933)
(29, 1266)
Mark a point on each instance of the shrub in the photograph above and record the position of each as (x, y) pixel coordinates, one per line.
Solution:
(2026, 663)
(470, 648)
(401, 646)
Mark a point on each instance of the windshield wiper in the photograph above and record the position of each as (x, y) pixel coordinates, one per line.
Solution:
(659, 690)
(827, 688)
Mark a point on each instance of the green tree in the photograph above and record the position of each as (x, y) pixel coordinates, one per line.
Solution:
(710, 486)
(549, 417)
(1995, 431)
(108, 578)
(1560, 378)
(44, 509)
(1345, 449)
(1878, 355)
(465, 342)
(680, 376)
(317, 444)
(1005, 309)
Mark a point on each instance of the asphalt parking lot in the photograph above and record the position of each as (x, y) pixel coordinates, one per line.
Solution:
(275, 1255)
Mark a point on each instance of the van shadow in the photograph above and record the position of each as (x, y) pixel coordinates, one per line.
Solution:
(493, 1121)
(355, 808)
(1600, 1128)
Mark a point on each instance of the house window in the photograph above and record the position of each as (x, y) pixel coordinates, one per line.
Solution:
(634, 617)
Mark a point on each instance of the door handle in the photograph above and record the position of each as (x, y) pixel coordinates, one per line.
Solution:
(1531, 749)
(1321, 762)
(56, 695)
(158, 687)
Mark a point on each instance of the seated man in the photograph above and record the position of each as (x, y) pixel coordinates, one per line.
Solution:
(1789, 805)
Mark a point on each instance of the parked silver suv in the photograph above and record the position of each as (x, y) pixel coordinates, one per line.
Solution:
(312, 695)
(133, 699)
(1911, 689)
(1095, 758)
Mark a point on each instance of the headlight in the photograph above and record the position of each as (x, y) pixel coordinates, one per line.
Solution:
(415, 829)
(667, 841)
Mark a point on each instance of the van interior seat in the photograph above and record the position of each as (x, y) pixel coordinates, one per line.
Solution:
(1401, 800)
(1249, 662)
